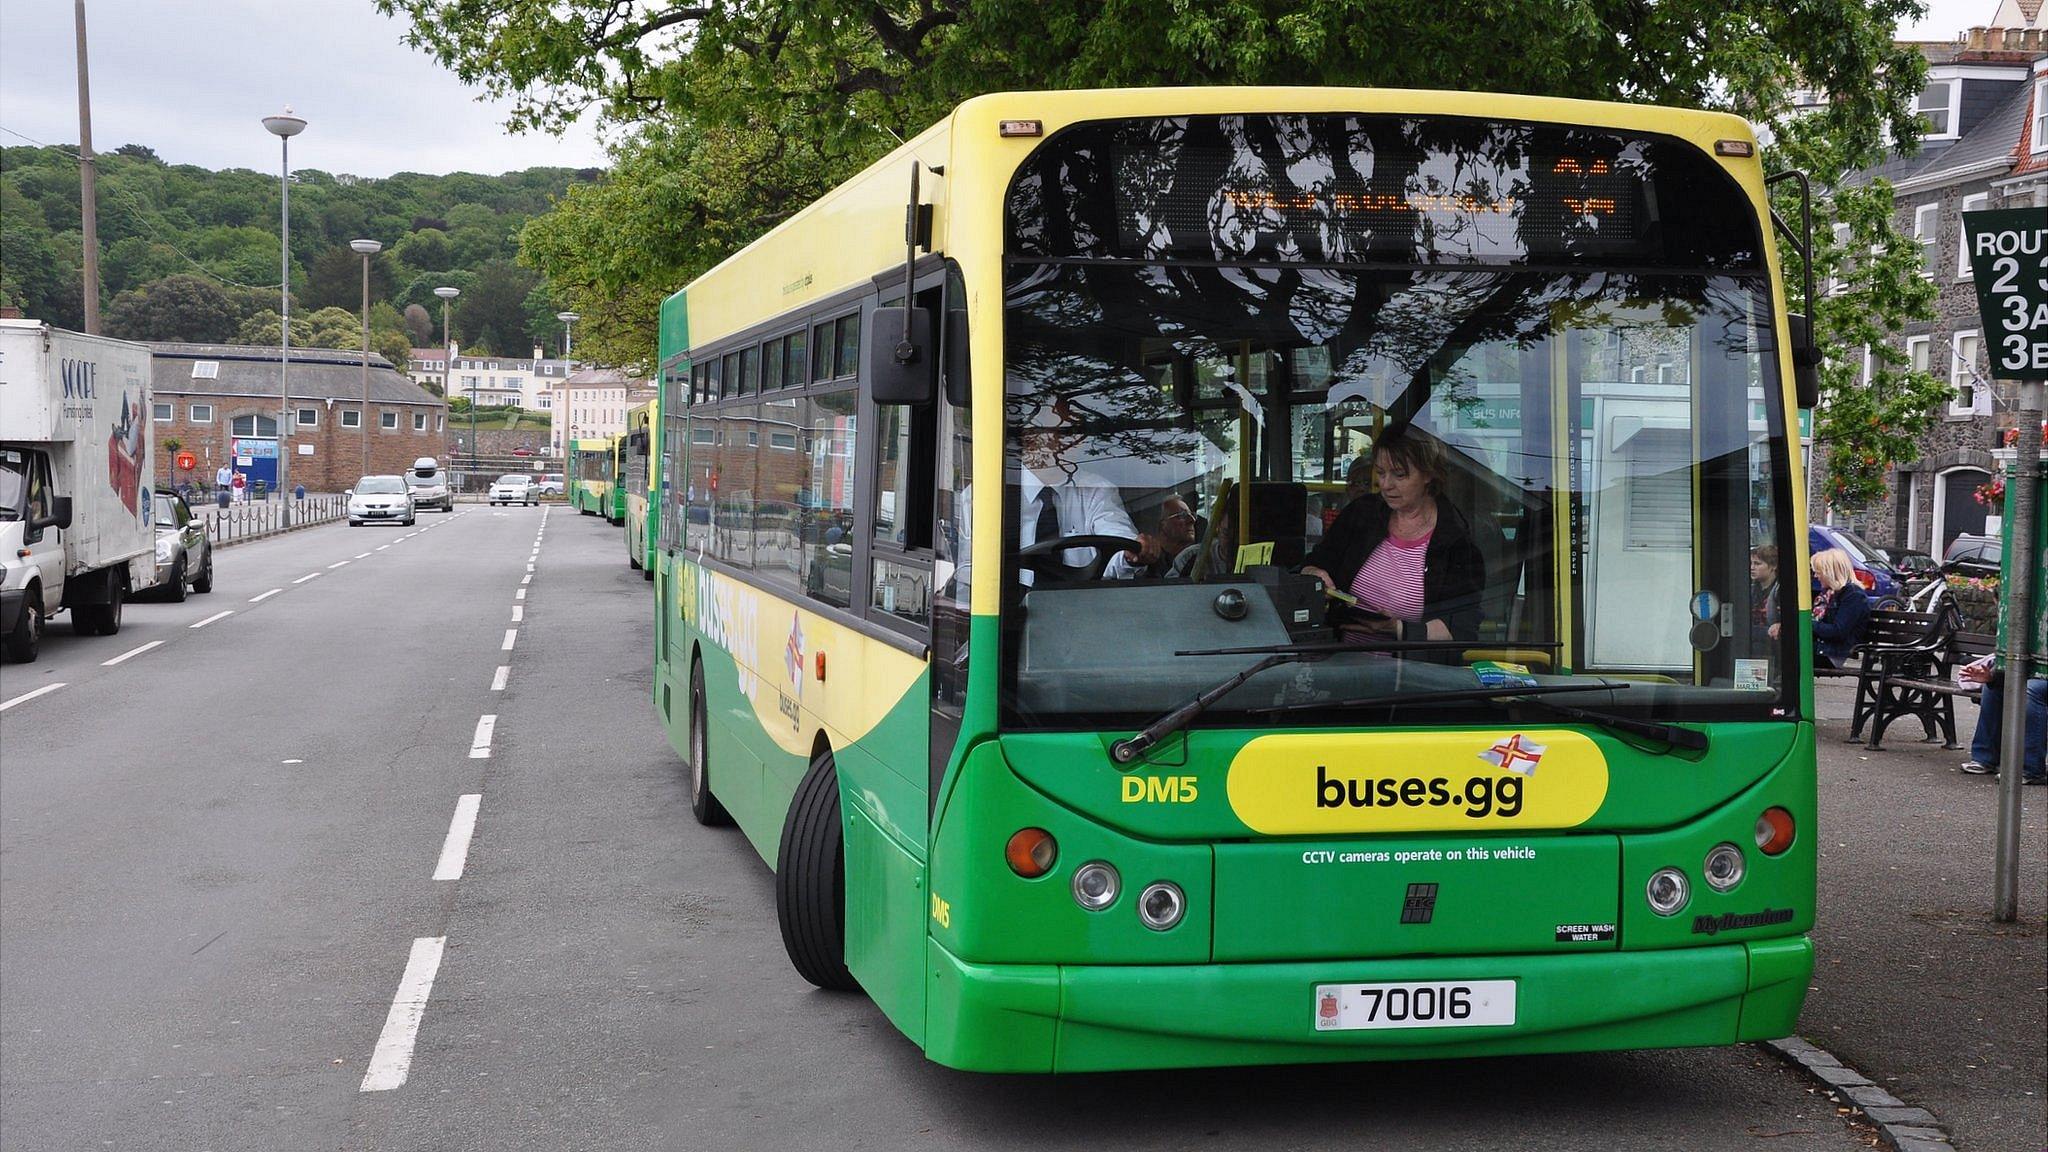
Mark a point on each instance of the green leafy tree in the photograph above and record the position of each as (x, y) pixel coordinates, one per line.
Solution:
(181, 307)
(739, 114)
(336, 278)
(426, 250)
(493, 313)
(419, 327)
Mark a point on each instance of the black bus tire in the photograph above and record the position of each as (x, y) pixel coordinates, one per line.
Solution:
(704, 803)
(810, 881)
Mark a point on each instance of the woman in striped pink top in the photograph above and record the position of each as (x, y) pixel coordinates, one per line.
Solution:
(1407, 557)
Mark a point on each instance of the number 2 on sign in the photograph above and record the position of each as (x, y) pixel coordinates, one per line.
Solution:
(2008, 270)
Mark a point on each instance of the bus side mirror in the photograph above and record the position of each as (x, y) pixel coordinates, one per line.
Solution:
(956, 371)
(1805, 360)
(900, 360)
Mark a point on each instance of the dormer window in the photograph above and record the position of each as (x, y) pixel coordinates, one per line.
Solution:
(2040, 141)
(1937, 106)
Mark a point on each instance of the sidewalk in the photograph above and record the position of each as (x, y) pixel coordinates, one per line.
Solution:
(259, 518)
(1914, 984)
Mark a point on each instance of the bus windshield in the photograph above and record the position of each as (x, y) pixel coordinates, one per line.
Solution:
(1591, 403)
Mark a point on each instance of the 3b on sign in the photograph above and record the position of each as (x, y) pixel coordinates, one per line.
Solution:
(2009, 258)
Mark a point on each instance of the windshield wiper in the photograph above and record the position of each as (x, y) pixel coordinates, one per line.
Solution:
(1671, 735)
(1126, 750)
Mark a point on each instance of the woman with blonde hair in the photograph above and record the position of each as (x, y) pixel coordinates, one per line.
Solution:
(1840, 612)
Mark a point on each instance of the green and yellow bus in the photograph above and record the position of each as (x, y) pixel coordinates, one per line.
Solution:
(637, 483)
(592, 467)
(1063, 782)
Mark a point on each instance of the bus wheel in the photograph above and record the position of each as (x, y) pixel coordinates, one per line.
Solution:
(810, 881)
(703, 805)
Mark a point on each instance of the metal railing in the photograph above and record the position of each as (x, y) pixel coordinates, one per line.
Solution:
(239, 522)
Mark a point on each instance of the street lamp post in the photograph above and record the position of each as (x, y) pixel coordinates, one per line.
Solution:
(568, 319)
(448, 296)
(367, 248)
(284, 126)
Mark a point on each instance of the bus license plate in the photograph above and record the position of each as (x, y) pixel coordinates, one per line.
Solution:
(1429, 1004)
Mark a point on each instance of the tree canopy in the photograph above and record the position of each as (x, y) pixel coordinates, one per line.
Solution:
(160, 222)
(739, 113)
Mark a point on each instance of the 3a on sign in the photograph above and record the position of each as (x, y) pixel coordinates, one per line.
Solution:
(2009, 258)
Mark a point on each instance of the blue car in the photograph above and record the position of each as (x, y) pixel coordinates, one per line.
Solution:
(1885, 587)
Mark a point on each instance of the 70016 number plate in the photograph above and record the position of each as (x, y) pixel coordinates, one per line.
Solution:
(1422, 1004)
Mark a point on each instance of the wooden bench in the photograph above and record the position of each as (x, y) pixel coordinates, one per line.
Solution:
(1932, 696)
(1902, 644)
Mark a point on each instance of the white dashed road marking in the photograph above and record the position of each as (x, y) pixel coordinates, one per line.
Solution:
(261, 597)
(212, 618)
(306, 577)
(498, 681)
(131, 652)
(518, 613)
(511, 637)
(27, 696)
(480, 744)
(336, 564)
(455, 849)
(392, 1058)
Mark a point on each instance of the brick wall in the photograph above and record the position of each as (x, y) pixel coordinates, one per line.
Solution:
(337, 458)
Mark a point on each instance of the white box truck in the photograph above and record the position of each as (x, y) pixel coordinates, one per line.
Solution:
(75, 477)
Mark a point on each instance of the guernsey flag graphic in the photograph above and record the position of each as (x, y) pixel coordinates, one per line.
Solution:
(1517, 754)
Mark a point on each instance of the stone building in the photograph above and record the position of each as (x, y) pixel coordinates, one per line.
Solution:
(1986, 104)
(590, 405)
(220, 403)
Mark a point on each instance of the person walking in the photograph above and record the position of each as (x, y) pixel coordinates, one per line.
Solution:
(241, 483)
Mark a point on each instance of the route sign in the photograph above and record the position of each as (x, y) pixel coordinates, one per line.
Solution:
(2009, 258)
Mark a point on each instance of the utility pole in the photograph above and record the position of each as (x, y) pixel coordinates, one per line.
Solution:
(88, 185)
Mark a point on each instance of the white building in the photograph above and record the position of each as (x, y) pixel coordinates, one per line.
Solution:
(494, 381)
(589, 405)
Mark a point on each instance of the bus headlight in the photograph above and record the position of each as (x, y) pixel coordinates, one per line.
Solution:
(1668, 891)
(1724, 867)
(1161, 905)
(1096, 885)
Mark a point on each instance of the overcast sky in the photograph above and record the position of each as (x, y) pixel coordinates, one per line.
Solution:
(193, 79)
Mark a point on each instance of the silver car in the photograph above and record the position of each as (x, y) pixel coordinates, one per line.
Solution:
(429, 485)
(514, 488)
(184, 556)
(379, 498)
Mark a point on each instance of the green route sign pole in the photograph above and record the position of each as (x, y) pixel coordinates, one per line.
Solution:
(2009, 258)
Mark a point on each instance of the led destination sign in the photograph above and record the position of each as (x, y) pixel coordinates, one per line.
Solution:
(1338, 189)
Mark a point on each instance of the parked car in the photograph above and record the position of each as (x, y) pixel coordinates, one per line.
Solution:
(1885, 588)
(514, 488)
(1969, 555)
(1913, 565)
(184, 555)
(548, 484)
(429, 485)
(380, 498)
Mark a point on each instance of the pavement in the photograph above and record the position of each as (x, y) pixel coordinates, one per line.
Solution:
(1915, 985)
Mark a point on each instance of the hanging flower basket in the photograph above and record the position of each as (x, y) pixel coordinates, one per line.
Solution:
(1991, 494)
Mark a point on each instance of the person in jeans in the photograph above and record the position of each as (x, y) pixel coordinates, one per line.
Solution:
(1984, 746)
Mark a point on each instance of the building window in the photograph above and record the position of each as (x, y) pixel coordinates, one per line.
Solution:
(2040, 141)
(1927, 230)
(1975, 203)
(1918, 351)
(206, 369)
(162, 412)
(419, 421)
(1962, 375)
(263, 426)
(202, 413)
(388, 421)
(309, 418)
(1937, 106)
(351, 418)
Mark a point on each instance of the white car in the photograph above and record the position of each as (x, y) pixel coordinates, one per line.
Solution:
(514, 488)
(379, 498)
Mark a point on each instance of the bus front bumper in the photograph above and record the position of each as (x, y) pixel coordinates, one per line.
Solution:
(1067, 1018)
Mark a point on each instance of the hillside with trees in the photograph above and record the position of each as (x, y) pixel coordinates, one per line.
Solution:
(192, 254)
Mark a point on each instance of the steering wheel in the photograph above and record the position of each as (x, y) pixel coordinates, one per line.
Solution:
(1046, 553)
